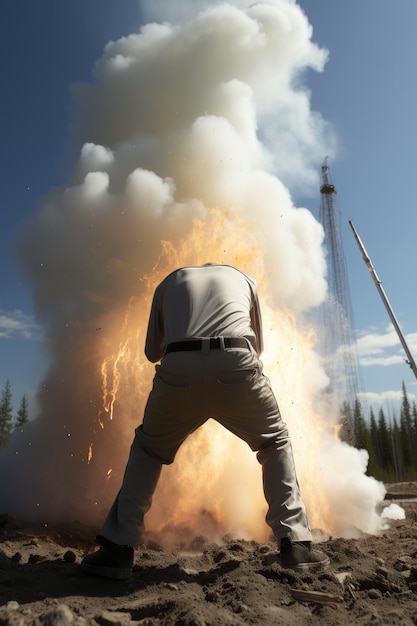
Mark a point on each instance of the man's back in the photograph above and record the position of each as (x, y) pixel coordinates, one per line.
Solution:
(203, 301)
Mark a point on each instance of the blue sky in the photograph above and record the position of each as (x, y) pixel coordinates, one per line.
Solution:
(367, 92)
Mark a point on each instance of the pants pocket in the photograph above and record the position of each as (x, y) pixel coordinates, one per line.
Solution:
(237, 377)
(171, 380)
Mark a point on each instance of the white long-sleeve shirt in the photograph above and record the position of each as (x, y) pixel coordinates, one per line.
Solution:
(203, 301)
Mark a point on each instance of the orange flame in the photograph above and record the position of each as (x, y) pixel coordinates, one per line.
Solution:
(216, 479)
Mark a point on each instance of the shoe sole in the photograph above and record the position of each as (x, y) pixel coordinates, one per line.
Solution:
(316, 566)
(116, 573)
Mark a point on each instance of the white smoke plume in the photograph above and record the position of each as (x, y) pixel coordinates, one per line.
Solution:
(186, 133)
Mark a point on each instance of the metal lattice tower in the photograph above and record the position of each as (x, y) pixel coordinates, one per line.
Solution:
(336, 336)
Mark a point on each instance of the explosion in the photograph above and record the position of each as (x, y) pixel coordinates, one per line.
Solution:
(180, 132)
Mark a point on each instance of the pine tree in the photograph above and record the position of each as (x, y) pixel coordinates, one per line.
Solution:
(405, 444)
(22, 414)
(409, 435)
(373, 467)
(360, 429)
(6, 416)
(414, 414)
(386, 458)
(397, 451)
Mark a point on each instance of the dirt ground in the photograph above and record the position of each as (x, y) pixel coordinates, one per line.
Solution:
(371, 580)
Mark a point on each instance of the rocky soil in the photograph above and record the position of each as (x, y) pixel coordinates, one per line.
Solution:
(371, 580)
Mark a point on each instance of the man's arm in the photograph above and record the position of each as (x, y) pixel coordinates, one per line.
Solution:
(155, 333)
(256, 319)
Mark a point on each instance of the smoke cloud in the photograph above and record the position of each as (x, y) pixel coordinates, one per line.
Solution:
(189, 136)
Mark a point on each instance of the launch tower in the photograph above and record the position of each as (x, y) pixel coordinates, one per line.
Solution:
(336, 333)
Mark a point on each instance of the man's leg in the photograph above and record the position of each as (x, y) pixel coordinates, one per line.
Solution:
(168, 420)
(123, 526)
(286, 511)
(246, 405)
(124, 522)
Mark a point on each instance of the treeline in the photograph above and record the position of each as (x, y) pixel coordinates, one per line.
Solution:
(9, 421)
(391, 442)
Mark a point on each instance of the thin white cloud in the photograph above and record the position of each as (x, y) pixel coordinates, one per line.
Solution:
(390, 398)
(377, 342)
(381, 360)
(17, 324)
(384, 348)
(412, 344)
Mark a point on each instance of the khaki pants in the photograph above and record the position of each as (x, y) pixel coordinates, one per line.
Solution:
(189, 388)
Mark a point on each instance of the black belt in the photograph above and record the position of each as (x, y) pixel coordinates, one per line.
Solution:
(214, 342)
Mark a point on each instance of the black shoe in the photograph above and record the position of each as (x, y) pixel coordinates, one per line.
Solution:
(301, 557)
(110, 561)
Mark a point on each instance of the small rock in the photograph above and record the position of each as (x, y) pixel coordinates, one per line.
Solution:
(189, 571)
(70, 556)
(342, 576)
(382, 571)
(236, 547)
(238, 607)
(35, 558)
(12, 605)
(374, 594)
(222, 554)
(13, 619)
(402, 563)
(60, 615)
(113, 618)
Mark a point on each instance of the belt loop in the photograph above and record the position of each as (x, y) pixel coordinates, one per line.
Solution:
(221, 342)
(205, 346)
